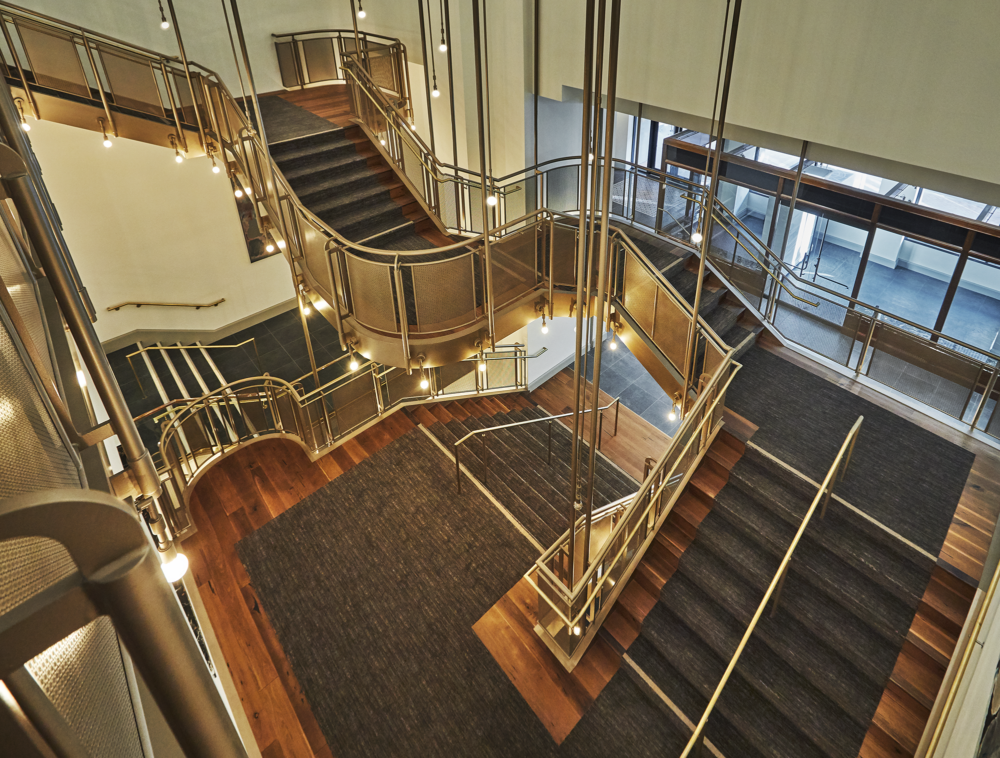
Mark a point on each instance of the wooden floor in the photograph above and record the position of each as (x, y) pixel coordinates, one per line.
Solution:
(333, 103)
(257, 483)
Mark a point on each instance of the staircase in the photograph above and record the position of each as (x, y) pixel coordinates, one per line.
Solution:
(812, 676)
(723, 312)
(519, 476)
(339, 176)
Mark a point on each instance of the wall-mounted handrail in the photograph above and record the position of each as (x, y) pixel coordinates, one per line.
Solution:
(140, 303)
(836, 473)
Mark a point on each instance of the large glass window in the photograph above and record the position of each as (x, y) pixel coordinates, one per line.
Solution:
(974, 316)
(907, 278)
(959, 206)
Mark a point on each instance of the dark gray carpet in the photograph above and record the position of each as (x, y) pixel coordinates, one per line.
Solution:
(904, 476)
(284, 120)
(812, 675)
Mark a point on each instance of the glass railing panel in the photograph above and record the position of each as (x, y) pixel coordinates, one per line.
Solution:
(915, 366)
(444, 293)
(829, 328)
(647, 197)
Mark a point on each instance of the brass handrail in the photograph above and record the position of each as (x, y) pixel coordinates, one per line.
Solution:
(196, 306)
(825, 489)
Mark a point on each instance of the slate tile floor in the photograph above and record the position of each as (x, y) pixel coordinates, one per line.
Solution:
(623, 376)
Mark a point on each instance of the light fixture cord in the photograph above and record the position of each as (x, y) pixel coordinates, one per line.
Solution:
(441, 13)
(433, 64)
(163, 16)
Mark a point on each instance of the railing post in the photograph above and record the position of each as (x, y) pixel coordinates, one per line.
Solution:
(458, 468)
(618, 403)
(486, 463)
(990, 384)
(826, 501)
(550, 443)
(868, 341)
(600, 428)
(777, 591)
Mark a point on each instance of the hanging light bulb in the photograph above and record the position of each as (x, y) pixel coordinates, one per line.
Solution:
(177, 152)
(443, 48)
(614, 343)
(382, 141)
(215, 166)
(20, 110)
(354, 364)
(545, 327)
(104, 131)
(361, 11)
(491, 200)
(164, 24)
(178, 157)
(306, 310)
(672, 416)
(435, 92)
(238, 192)
(577, 630)
(176, 567)
(269, 247)
(696, 238)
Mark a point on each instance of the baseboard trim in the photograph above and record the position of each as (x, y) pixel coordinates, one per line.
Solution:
(188, 336)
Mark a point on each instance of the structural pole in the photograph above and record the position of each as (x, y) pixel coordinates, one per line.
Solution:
(692, 350)
(30, 208)
(451, 90)
(602, 265)
(581, 276)
(486, 185)
(791, 203)
(187, 73)
(427, 73)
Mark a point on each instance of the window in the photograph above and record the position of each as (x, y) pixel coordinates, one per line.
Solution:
(974, 316)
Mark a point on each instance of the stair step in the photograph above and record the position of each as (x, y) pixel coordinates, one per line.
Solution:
(932, 639)
(901, 718)
(918, 674)
(878, 744)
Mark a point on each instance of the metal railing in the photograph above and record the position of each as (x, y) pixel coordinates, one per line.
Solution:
(195, 433)
(570, 616)
(836, 473)
(950, 375)
(321, 56)
(616, 404)
(193, 348)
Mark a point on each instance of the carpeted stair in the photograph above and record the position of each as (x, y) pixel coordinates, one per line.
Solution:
(519, 476)
(812, 675)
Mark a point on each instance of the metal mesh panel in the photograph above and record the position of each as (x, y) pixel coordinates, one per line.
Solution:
(371, 291)
(670, 329)
(321, 62)
(501, 373)
(400, 386)
(286, 64)
(458, 377)
(673, 220)
(53, 58)
(32, 454)
(412, 164)
(564, 254)
(916, 367)
(84, 677)
(619, 191)
(444, 294)
(562, 187)
(640, 289)
(354, 403)
(20, 285)
(132, 82)
(514, 268)
(381, 67)
(28, 565)
(448, 199)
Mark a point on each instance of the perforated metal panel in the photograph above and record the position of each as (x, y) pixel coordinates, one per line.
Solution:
(84, 677)
(29, 565)
(444, 293)
(371, 291)
(639, 293)
(20, 285)
(514, 267)
(32, 453)
(354, 402)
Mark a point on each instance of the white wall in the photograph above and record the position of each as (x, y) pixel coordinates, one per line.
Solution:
(855, 75)
(141, 227)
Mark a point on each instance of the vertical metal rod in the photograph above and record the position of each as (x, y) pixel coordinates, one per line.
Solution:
(602, 276)
(451, 92)
(868, 342)
(482, 170)
(706, 231)
(357, 38)
(795, 197)
(866, 253)
(486, 463)
(427, 72)
(20, 71)
(550, 443)
(535, 83)
(100, 85)
(581, 256)
(826, 502)
(458, 467)
(776, 598)
(187, 74)
(236, 60)
(250, 83)
(618, 404)
(305, 331)
(986, 394)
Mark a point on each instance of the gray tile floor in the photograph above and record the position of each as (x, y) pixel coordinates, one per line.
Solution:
(623, 376)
